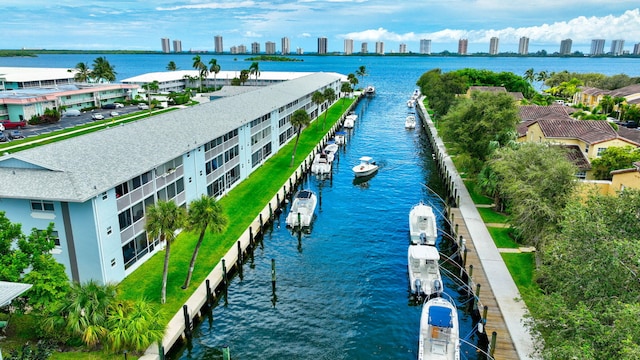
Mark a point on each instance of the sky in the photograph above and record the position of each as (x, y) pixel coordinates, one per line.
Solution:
(139, 25)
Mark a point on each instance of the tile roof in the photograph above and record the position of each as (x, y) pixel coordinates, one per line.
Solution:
(632, 135)
(537, 112)
(589, 131)
(577, 157)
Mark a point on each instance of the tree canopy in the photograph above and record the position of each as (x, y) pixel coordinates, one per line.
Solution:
(614, 158)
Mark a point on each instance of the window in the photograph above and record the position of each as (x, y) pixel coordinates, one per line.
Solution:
(600, 151)
(581, 175)
(138, 211)
(586, 148)
(125, 219)
(41, 205)
(113, 262)
(122, 189)
(52, 237)
(109, 231)
(105, 196)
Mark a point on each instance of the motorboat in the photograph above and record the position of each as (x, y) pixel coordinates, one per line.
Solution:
(366, 167)
(424, 271)
(439, 330)
(340, 137)
(410, 122)
(349, 122)
(303, 209)
(331, 149)
(411, 103)
(422, 225)
(370, 90)
(321, 164)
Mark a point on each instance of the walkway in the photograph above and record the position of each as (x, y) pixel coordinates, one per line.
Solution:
(498, 279)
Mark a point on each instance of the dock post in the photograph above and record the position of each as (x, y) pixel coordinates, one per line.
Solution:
(278, 200)
(270, 212)
(476, 298)
(208, 285)
(455, 231)
(225, 352)
(161, 351)
(240, 259)
(224, 274)
(261, 222)
(464, 258)
(492, 347)
(470, 280)
(299, 221)
(273, 276)
(250, 236)
(187, 321)
(484, 314)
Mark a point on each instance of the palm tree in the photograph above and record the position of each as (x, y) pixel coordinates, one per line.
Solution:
(254, 70)
(530, 75)
(134, 326)
(318, 99)
(215, 69)
(299, 119)
(204, 214)
(542, 76)
(244, 76)
(346, 87)
(83, 72)
(163, 219)
(329, 95)
(201, 67)
(617, 101)
(362, 72)
(151, 88)
(83, 313)
(171, 66)
(353, 80)
(102, 70)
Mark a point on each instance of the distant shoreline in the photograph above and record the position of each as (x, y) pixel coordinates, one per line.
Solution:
(36, 52)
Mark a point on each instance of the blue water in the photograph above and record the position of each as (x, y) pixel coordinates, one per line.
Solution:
(342, 289)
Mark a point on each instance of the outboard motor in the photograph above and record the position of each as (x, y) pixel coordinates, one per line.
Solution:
(437, 286)
(423, 239)
(418, 284)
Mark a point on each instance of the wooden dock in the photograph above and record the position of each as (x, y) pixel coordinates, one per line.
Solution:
(504, 349)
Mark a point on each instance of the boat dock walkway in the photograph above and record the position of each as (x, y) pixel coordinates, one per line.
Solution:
(506, 314)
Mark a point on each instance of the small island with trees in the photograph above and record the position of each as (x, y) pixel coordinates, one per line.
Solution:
(271, 58)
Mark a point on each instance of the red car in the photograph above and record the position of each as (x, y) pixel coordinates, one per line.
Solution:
(13, 124)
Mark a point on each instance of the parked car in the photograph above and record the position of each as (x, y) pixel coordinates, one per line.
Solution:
(15, 134)
(7, 124)
(143, 106)
(72, 112)
(97, 116)
(631, 124)
(3, 137)
(119, 105)
(114, 113)
(109, 106)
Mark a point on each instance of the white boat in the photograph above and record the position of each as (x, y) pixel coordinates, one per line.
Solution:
(341, 137)
(366, 167)
(411, 103)
(422, 225)
(416, 94)
(349, 122)
(424, 272)
(321, 164)
(410, 122)
(302, 209)
(439, 331)
(370, 90)
(330, 150)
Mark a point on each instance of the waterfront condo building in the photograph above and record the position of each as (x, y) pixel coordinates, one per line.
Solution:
(255, 47)
(523, 46)
(166, 45)
(425, 46)
(379, 47)
(565, 47)
(597, 47)
(636, 49)
(270, 48)
(364, 48)
(177, 46)
(96, 188)
(285, 45)
(217, 44)
(493, 46)
(617, 47)
(322, 45)
(348, 46)
(402, 49)
(462, 46)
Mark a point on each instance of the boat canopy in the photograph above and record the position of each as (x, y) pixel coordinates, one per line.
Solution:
(304, 194)
(424, 252)
(440, 316)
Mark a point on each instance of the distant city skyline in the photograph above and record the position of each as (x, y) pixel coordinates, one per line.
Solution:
(99, 25)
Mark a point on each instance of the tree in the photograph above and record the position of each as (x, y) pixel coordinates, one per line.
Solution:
(83, 72)
(329, 95)
(346, 88)
(537, 181)
(298, 120)
(530, 75)
(244, 76)
(362, 72)
(102, 70)
(214, 67)
(83, 313)
(353, 80)
(151, 88)
(254, 70)
(542, 77)
(617, 101)
(606, 104)
(171, 66)
(201, 67)
(205, 214)
(163, 219)
(318, 99)
(614, 158)
(134, 326)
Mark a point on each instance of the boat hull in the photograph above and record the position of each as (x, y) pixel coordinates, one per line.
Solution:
(422, 225)
(425, 279)
(302, 209)
(439, 331)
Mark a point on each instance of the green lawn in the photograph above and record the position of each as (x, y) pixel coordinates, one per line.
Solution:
(241, 205)
(501, 237)
(521, 267)
(476, 196)
(491, 216)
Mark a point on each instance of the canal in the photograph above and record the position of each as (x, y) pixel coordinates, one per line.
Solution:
(342, 288)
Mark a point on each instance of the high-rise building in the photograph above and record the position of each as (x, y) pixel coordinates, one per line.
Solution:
(462, 46)
(286, 46)
(166, 45)
(402, 49)
(364, 48)
(597, 47)
(217, 44)
(255, 47)
(379, 47)
(322, 45)
(242, 49)
(177, 46)
(270, 48)
(565, 47)
(299, 51)
(523, 46)
(493, 46)
(425, 46)
(617, 47)
(348, 46)
(636, 49)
